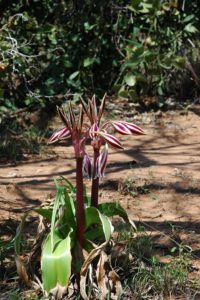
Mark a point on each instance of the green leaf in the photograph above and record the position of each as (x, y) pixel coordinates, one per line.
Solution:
(93, 216)
(88, 27)
(93, 234)
(74, 75)
(44, 212)
(112, 209)
(63, 213)
(57, 203)
(67, 192)
(134, 5)
(123, 94)
(115, 209)
(130, 79)
(188, 18)
(68, 184)
(179, 62)
(190, 28)
(133, 95)
(69, 216)
(56, 264)
(141, 79)
(146, 7)
(88, 62)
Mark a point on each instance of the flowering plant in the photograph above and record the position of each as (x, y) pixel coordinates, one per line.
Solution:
(77, 221)
(99, 136)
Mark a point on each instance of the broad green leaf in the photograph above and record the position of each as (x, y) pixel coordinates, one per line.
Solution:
(92, 234)
(44, 212)
(56, 264)
(57, 202)
(115, 209)
(130, 79)
(112, 209)
(93, 216)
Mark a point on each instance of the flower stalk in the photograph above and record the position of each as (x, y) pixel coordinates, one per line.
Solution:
(79, 200)
(95, 180)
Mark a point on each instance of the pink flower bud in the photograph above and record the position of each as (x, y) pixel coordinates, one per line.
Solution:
(111, 140)
(133, 128)
(102, 162)
(121, 128)
(59, 134)
(93, 131)
(87, 166)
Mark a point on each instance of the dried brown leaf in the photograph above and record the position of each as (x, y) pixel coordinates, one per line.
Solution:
(21, 270)
(115, 285)
(85, 267)
(101, 275)
(92, 255)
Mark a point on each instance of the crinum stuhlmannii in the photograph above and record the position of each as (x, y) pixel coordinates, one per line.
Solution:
(100, 137)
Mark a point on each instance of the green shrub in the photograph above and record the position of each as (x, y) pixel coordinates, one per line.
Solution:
(129, 48)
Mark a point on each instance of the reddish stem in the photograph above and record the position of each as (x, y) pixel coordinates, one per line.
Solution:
(79, 200)
(95, 182)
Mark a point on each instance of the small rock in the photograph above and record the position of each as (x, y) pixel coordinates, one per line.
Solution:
(159, 113)
(12, 175)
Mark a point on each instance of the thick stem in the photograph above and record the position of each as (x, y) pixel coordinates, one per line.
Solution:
(79, 200)
(95, 182)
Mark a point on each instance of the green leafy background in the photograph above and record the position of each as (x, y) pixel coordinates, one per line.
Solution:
(127, 48)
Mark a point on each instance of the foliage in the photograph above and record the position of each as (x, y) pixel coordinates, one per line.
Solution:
(158, 46)
(132, 48)
(49, 50)
(146, 274)
(62, 239)
(22, 136)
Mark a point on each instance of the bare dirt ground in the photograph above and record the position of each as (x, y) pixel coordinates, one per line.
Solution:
(156, 178)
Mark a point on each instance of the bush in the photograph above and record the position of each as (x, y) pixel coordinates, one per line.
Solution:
(129, 48)
(159, 47)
